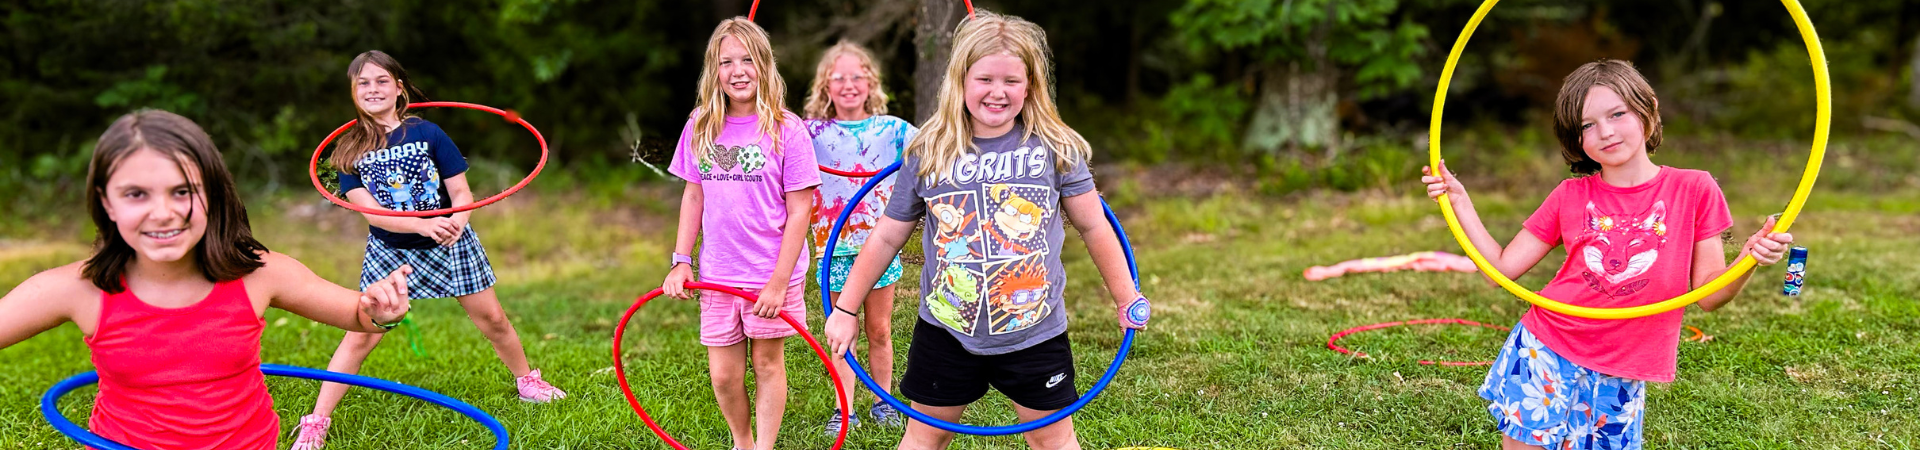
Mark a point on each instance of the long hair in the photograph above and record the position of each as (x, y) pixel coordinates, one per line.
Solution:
(367, 135)
(820, 101)
(948, 135)
(769, 103)
(1623, 79)
(226, 252)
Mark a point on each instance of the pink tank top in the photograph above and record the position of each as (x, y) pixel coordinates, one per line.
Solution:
(186, 378)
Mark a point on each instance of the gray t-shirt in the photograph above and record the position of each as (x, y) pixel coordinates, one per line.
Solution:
(993, 276)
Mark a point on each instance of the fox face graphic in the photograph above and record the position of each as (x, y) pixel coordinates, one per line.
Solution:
(1618, 249)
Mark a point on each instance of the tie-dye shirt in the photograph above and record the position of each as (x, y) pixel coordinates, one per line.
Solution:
(992, 239)
(856, 146)
(1626, 247)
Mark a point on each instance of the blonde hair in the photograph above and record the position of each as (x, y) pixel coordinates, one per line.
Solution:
(820, 102)
(769, 103)
(948, 135)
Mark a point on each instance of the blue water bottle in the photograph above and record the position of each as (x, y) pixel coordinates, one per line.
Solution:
(1796, 272)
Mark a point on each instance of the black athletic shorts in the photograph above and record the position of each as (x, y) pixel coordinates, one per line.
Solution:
(940, 372)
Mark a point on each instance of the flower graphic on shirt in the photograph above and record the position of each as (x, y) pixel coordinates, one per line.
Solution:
(1617, 249)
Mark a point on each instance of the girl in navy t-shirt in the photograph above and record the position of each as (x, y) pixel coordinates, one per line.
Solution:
(397, 162)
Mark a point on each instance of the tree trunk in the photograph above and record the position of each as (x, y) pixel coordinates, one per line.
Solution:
(933, 37)
(1913, 76)
(1298, 108)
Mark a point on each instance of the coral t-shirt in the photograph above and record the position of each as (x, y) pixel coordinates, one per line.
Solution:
(1626, 246)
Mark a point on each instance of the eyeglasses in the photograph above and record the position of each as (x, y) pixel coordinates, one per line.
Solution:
(843, 79)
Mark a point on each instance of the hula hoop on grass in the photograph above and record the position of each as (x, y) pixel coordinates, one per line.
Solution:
(1126, 343)
(49, 407)
(1333, 341)
(313, 167)
(620, 370)
(1822, 94)
(756, 10)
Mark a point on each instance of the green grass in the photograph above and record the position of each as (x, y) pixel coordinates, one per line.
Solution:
(1236, 357)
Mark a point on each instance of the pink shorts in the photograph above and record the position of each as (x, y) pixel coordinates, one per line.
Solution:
(726, 320)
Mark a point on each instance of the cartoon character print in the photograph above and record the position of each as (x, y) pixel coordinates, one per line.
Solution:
(956, 232)
(1018, 220)
(955, 298)
(1617, 249)
(399, 190)
(1017, 292)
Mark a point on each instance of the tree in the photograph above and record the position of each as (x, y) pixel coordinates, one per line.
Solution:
(1297, 51)
(933, 39)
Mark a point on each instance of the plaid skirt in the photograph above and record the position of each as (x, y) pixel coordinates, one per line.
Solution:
(439, 272)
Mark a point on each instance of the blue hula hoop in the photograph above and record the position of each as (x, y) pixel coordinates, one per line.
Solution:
(50, 409)
(1126, 343)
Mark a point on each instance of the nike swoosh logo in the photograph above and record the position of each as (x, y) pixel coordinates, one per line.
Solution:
(1055, 380)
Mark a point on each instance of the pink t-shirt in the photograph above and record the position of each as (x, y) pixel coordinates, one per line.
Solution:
(745, 183)
(1625, 247)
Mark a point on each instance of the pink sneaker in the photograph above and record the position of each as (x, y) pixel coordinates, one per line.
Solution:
(534, 389)
(313, 433)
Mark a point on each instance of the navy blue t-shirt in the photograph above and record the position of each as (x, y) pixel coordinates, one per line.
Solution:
(407, 176)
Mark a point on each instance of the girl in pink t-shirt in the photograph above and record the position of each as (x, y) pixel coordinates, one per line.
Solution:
(746, 156)
(171, 300)
(1636, 233)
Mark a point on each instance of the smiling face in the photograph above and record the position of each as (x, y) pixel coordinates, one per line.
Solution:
(376, 90)
(849, 83)
(155, 203)
(1611, 133)
(996, 89)
(738, 77)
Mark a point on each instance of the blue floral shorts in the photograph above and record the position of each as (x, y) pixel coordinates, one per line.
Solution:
(1540, 398)
(837, 275)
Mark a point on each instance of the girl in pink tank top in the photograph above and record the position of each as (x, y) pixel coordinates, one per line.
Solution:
(172, 299)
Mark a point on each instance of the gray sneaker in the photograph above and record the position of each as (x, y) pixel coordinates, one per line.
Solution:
(884, 414)
(834, 423)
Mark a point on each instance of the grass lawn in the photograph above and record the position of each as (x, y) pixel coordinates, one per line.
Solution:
(1235, 358)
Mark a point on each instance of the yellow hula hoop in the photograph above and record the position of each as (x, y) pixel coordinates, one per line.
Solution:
(1820, 126)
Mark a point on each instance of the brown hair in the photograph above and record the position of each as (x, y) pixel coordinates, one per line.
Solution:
(226, 252)
(1623, 79)
(820, 101)
(367, 135)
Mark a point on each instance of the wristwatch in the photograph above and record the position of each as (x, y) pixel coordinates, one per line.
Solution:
(679, 259)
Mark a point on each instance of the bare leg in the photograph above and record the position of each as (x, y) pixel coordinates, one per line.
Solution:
(879, 331)
(347, 359)
(727, 366)
(770, 398)
(1058, 436)
(921, 436)
(1507, 443)
(484, 308)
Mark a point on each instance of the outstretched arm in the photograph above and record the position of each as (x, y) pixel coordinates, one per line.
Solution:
(1514, 259)
(40, 303)
(297, 289)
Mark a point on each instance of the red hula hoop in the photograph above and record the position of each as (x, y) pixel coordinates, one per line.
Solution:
(1333, 342)
(849, 173)
(620, 370)
(756, 10)
(313, 166)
